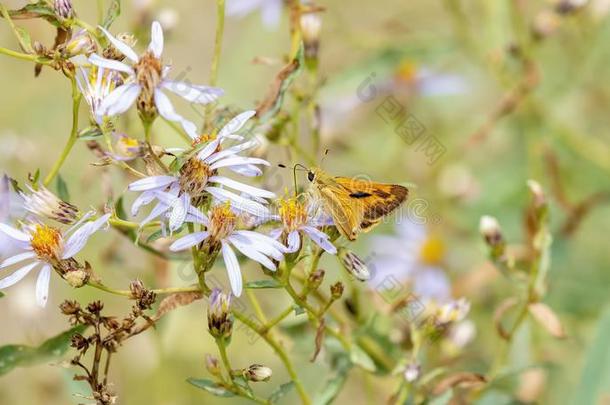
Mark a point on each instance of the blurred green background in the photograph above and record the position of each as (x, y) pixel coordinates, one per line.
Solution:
(457, 66)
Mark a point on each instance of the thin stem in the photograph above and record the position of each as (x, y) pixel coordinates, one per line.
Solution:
(270, 324)
(257, 306)
(159, 291)
(76, 97)
(220, 27)
(24, 56)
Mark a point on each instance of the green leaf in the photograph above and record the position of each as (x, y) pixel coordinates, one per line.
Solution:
(298, 310)
(26, 40)
(210, 386)
(271, 283)
(62, 189)
(34, 178)
(243, 383)
(334, 385)
(1, 294)
(113, 12)
(36, 10)
(595, 377)
(89, 133)
(442, 399)
(12, 356)
(360, 358)
(280, 392)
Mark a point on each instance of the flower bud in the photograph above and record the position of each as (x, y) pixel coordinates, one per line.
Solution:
(336, 290)
(537, 192)
(412, 372)
(454, 311)
(220, 320)
(63, 8)
(311, 25)
(258, 373)
(76, 278)
(491, 231)
(353, 264)
(81, 43)
(315, 279)
(44, 203)
(212, 364)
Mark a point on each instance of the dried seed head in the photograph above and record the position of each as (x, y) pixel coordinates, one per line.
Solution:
(194, 175)
(315, 279)
(149, 71)
(258, 373)
(353, 264)
(69, 307)
(220, 320)
(95, 307)
(63, 8)
(336, 290)
(79, 342)
(144, 298)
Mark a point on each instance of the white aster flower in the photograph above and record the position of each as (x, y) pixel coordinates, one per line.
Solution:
(95, 84)
(271, 10)
(222, 233)
(413, 256)
(45, 247)
(146, 78)
(301, 217)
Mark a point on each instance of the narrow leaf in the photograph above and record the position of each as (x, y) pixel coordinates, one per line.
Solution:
(280, 392)
(271, 283)
(210, 386)
(113, 12)
(62, 189)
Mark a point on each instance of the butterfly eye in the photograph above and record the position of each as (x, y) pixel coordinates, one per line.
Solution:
(310, 176)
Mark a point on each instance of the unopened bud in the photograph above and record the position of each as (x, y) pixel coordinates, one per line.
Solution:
(76, 278)
(315, 279)
(80, 44)
(412, 372)
(212, 364)
(336, 290)
(491, 231)
(453, 311)
(44, 203)
(537, 193)
(63, 8)
(258, 373)
(353, 264)
(220, 320)
(311, 25)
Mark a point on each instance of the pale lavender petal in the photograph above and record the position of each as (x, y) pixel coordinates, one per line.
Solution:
(120, 99)
(233, 270)
(236, 123)
(271, 12)
(193, 93)
(294, 241)
(79, 238)
(159, 209)
(246, 170)
(156, 39)
(233, 150)
(143, 199)
(121, 46)
(189, 241)
(179, 210)
(251, 252)
(320, 239)
(14, 233)
(241, 203)
(109, 64)
(166, 110)
(17, 258)
(151, 183)
(208, 150)
(253, 191)
(238, 161)
(276, 233)
(42, 285)
(17, 276)
(263, 243)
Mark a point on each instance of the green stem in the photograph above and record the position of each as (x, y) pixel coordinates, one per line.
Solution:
(76, 97)
(24, 56)
(220, 27)
(159, 291)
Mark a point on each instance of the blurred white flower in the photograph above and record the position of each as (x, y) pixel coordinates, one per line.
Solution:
(271, 10)
(146, 79)
(221, 229)
(412, 256)
(11, 208)
(45, 247)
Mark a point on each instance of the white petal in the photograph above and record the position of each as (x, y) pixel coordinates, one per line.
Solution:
(188, 241)
(208, 150)
(251, 252)
(320, 239)
(121, 46)
(120, 99)
(241, 203)
(156, 39)
(159, 209)
(233, 270)
(271, 12)
(264, 243)
(193, 93)
(152, 182)
(143, 199)
(17, 276)
(253, 191)
(236, 123)
(233, 150)
(238, 161)
(14, 233)
(197, 217)
(179, 210)
(294, 241)
(17, 258)
(42, 285)
(246, 170)
(109, 64)
(166, 109)
(276, 233)
(79, 238)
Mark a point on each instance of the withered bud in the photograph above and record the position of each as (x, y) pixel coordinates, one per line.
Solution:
(79, 342)
(491, 231)
(110, 52)
(311, 25)
(336, 290)
(63, 8)
(353, 264)
(220, 320)
(144, 297)
(315, 279)
(212, 364)
(76, 278)
(95, 307)
(44, 203)
(258, 373)
(69, 307)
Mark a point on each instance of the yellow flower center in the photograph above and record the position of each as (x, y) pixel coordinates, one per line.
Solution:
(407, 71)
(204, 138)
(128, 146)
(293, 213)
(46, 242)
(222, 221)
(432, 251)
(194, 175)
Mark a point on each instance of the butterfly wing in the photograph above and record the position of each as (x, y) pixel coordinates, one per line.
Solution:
(346, 216)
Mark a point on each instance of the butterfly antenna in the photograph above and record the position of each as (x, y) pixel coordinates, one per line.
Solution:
(324, 157)
(296, 167)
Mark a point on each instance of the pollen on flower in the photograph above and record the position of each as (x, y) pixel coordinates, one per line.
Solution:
(46, 242)
(222, 221)
(293, 213)
(406, 71)
(194, 176)
(204, 138)
(432, 250)
(148, 75)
